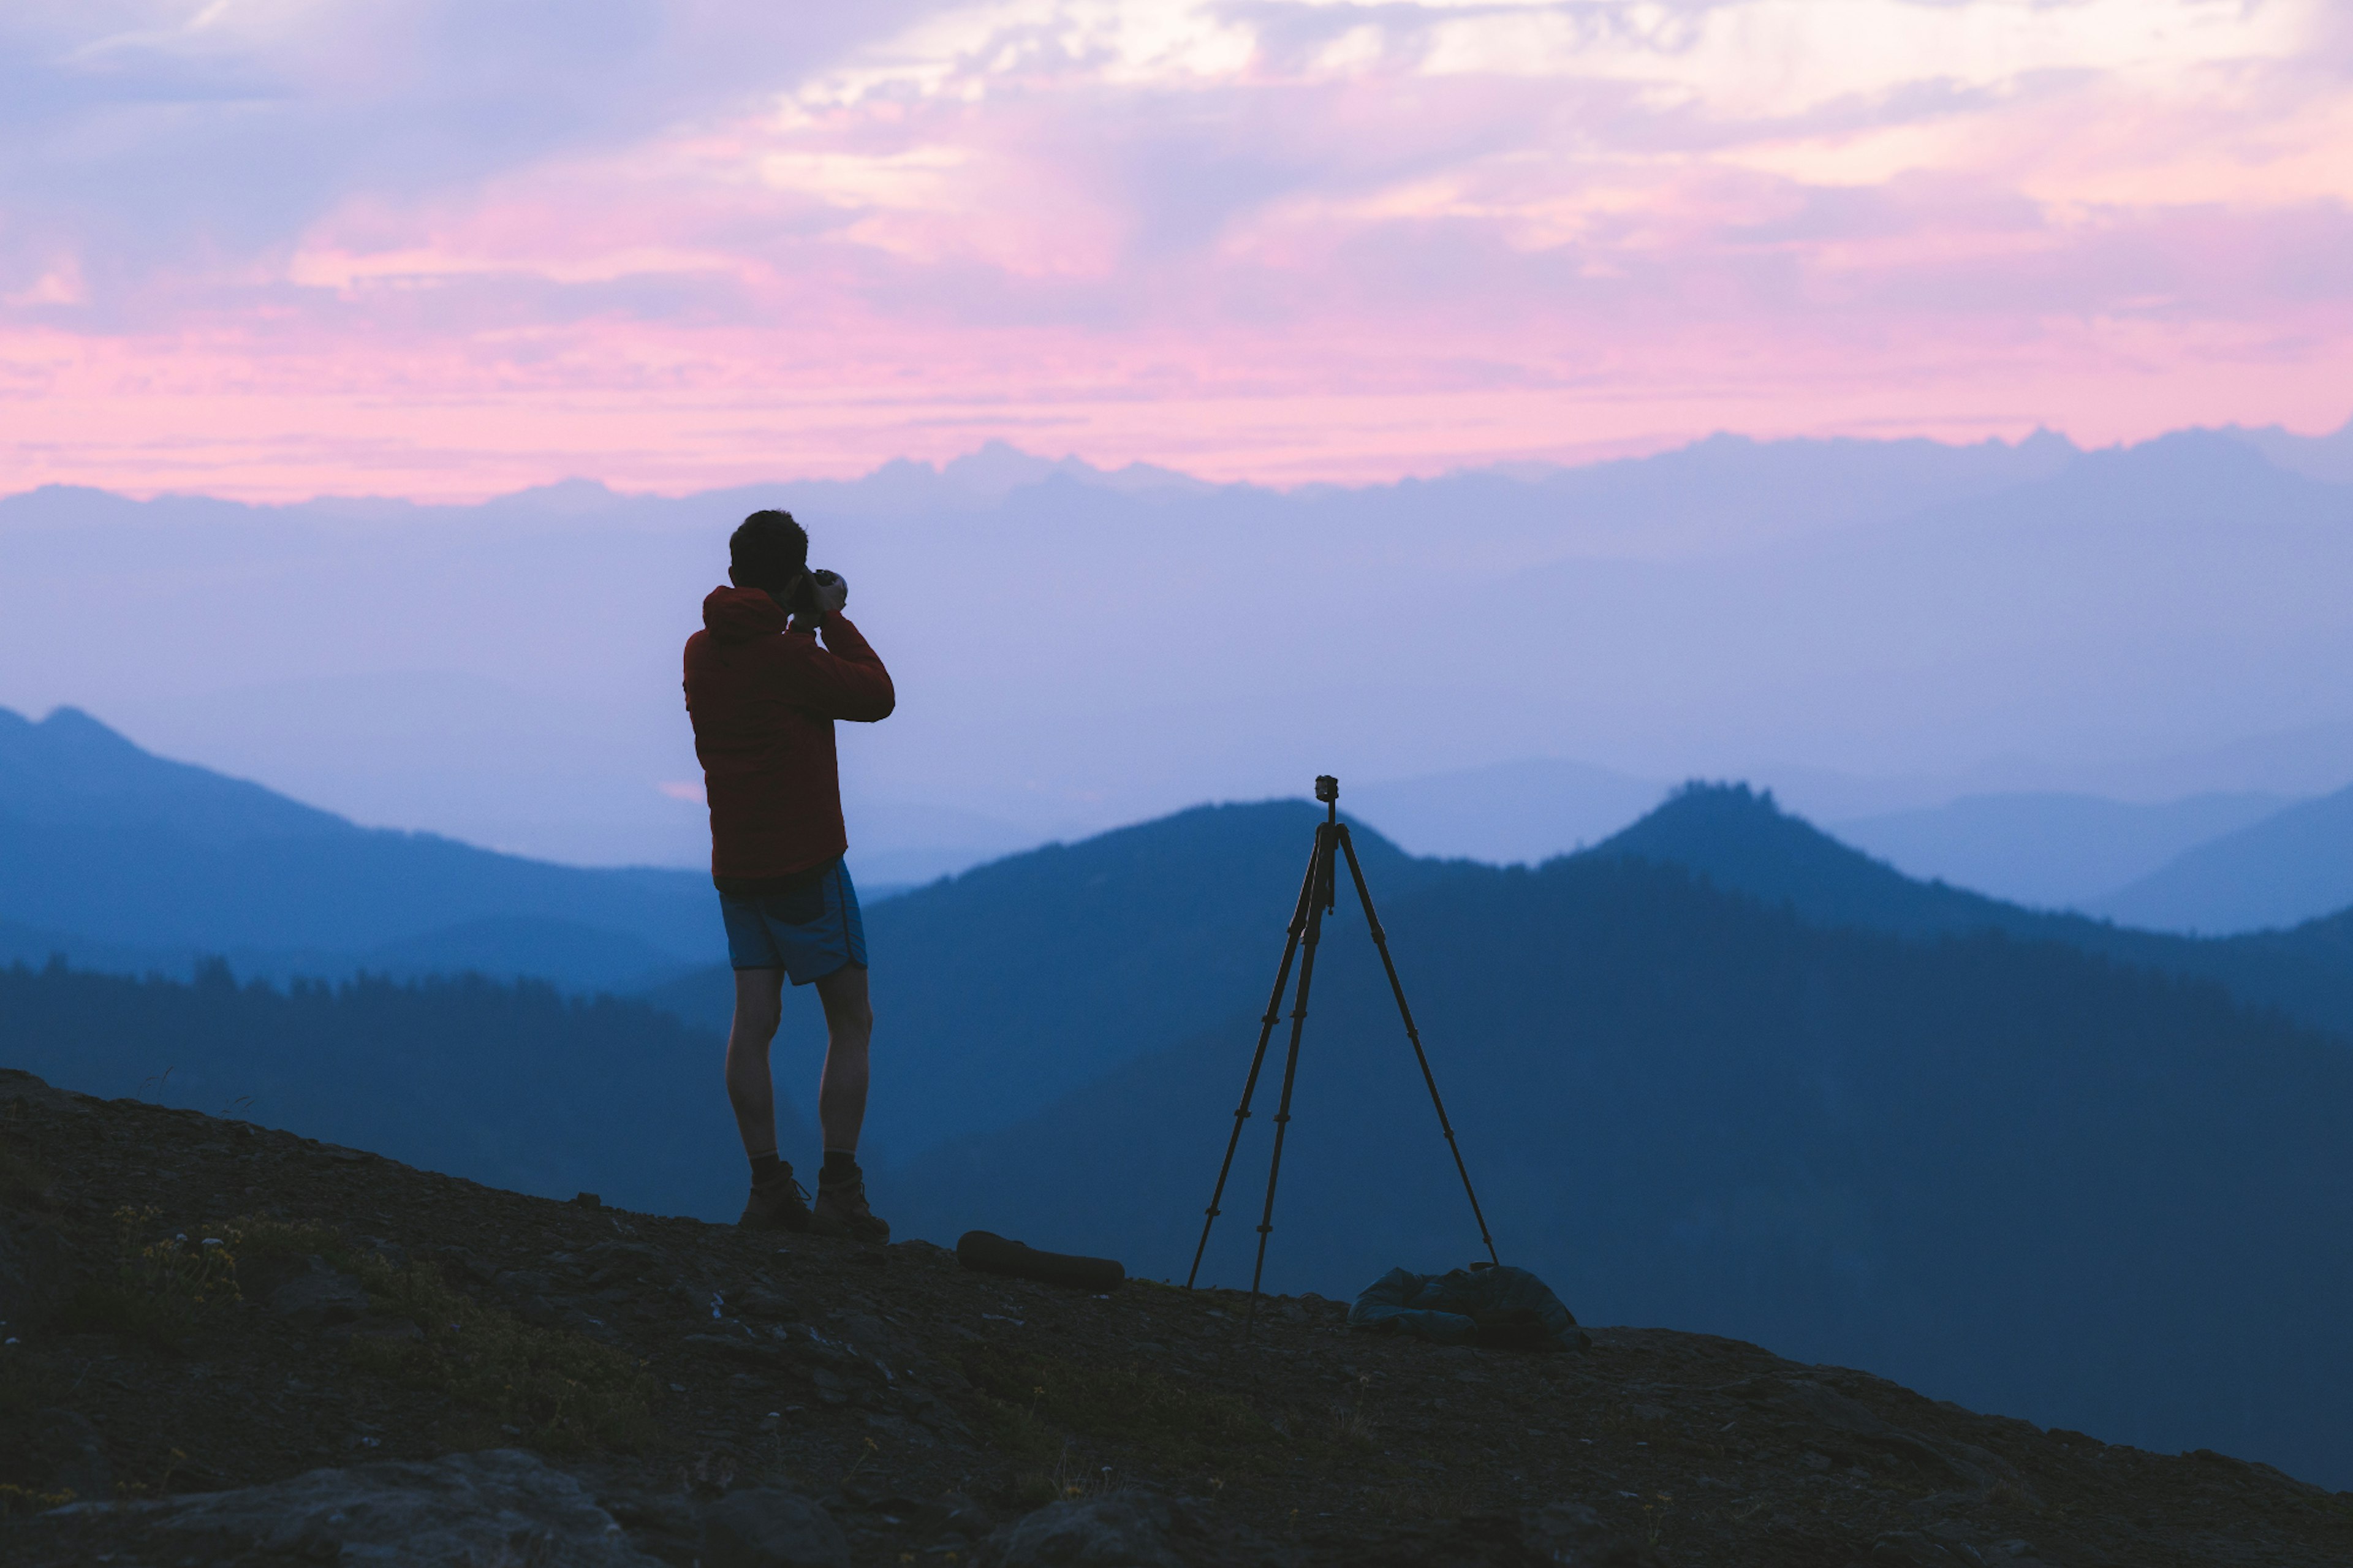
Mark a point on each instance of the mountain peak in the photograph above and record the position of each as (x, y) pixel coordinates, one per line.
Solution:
(71, 769)
(1705, 812)
(68, 726)
(1738, 837)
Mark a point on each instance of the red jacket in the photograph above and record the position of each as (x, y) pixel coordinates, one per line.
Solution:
(763, 699)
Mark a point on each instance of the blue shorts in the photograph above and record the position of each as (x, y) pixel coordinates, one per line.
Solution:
(808, 932)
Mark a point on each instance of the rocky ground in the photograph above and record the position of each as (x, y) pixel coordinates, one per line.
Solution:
(385, 1363)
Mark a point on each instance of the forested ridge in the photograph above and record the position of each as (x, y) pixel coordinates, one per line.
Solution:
(511, 1083)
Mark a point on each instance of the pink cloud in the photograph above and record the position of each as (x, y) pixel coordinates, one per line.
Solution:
(1265, 264)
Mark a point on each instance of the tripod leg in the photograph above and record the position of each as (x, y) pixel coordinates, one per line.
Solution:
(1381, 940)
(1307, 890)
(1325, 838)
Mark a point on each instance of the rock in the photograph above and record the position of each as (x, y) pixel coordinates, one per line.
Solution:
(1124, 1529)
(319, 1297)
(501, 1506)
(959, 1513)
(622, 1260)
(85, 1473)
(655, 1513)
(768, 1306)
(916, 1246)
(770, 1529)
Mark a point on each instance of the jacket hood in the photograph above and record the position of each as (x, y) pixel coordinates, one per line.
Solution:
(738, 614)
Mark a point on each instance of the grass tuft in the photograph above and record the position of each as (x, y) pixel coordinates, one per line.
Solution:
(562, 1392)
(16, 1499)
(161, 1291)
(261, 1238)
(566, 1391)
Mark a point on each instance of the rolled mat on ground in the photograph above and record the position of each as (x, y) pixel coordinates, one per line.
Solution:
(994, 1255)
(1499, 1308)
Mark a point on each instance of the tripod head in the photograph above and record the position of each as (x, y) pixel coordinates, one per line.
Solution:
(1327, 893)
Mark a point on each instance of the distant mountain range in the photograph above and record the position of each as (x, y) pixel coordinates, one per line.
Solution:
(2054, 850)
(1091, 955)
(2277, 870)
(2213, 863)
(1740, 840)
(121, 859)
(1076, 649)
(127, 862)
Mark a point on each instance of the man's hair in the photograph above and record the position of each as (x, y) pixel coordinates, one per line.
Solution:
(766, 551)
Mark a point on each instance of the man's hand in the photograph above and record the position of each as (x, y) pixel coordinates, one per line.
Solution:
(831, 591)
(828, 592)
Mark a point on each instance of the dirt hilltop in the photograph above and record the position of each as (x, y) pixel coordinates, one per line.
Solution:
(230, 1344)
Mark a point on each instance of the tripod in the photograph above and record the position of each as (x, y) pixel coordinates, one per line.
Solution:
(1318, 895)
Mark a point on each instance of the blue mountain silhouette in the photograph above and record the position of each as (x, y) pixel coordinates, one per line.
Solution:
(2284, 869)
(106, 848)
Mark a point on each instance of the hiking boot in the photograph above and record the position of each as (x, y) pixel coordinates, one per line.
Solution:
(780, 1203)
(841, 1211)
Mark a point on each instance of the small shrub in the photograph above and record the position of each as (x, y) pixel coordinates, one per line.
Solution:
(161, 1291)
(16, 1499)
(1018, 1433)
(261, 1238)
(1352, 1427)
(565, 1391)
(568, 1392)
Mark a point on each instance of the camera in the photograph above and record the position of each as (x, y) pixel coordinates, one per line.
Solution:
(803, 599)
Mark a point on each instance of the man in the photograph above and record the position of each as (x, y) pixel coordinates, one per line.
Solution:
(763, 696)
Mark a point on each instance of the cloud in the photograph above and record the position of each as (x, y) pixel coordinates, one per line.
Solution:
(140, 129)
(1237, 233)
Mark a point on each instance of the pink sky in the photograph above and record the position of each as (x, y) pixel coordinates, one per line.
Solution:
(275, 247)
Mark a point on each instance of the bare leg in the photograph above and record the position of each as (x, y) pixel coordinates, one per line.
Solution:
(848, 1025)
(759, 1002)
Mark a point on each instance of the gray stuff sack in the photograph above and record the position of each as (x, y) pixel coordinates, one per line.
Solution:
(1497, 1309)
